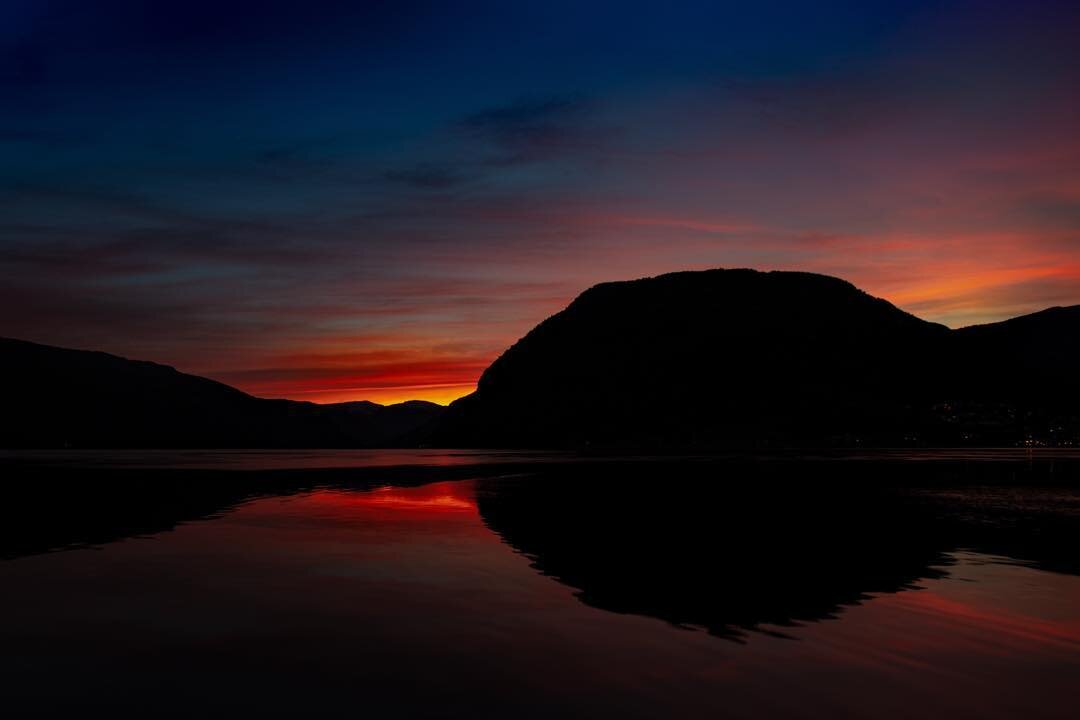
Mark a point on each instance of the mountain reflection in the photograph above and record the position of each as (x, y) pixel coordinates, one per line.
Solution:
(48, 508)
(407, 592)
(725, 545)
(739, 547)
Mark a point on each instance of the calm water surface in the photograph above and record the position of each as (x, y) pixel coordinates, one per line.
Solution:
(526, 587)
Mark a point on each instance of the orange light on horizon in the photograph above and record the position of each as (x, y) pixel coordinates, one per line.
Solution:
(963, 297)
(439, 394)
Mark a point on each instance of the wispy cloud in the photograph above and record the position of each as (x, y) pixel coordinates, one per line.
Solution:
(533, 130)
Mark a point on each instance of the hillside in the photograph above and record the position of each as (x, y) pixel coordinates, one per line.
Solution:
(55, 397)
(740, 358)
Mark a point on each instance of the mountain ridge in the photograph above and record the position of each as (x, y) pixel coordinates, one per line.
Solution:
(723, 358)
(63, 397)
(770, 359)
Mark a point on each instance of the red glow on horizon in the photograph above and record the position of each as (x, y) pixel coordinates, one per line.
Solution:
(381, 376)
(436, 338)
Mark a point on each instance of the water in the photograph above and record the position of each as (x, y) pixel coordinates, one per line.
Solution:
(509, 585)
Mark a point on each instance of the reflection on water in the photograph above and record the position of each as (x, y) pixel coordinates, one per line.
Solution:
(720, 549)
(725, 557)
(509, 588)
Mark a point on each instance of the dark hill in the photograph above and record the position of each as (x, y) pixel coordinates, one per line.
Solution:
(744, 358)
(1018, 380)
(54, 397)
(1034, 356)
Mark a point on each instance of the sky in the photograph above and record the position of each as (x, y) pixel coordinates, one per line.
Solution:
(334, 201)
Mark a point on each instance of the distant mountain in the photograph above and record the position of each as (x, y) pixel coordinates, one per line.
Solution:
(1018, 380)
(1032, 356)
(54, 397)
(740, 358)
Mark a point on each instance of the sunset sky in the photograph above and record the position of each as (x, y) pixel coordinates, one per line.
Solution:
(371, 200)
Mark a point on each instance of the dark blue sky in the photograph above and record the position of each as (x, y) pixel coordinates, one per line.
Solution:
(330, 199)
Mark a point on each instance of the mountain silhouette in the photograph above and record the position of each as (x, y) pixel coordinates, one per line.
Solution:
(1028, 363)
(55, 397)
(710, 359)
(723, 358)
